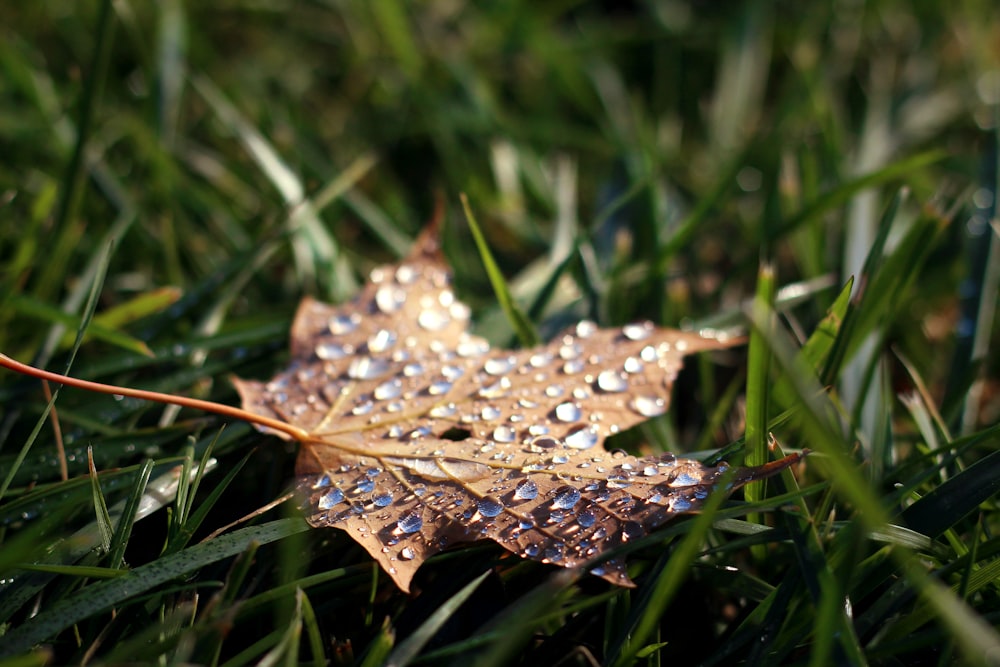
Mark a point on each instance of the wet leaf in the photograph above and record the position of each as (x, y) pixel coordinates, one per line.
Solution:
(417, 436)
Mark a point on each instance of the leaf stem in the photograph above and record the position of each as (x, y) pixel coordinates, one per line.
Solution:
(157, 397)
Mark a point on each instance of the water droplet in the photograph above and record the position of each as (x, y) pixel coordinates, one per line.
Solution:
(648, 354)
(439, 387)
(570, 351)
(389, 389)
(389, 299)
(407, 553)
(649, 470)
(382, 340)
(367, 368)
(504, 434)
(553, 554)
(568, 412)
(684, 479)
(680, 504)
(433, 320)
(586, 329)
(637, 331)
(413, 370)
(554, 391)
(365, 486)
(383, 500)
(565, 498)
(612, 382)
(573, 366)
(526, 490)
(405, 274)
(498, 389)
(543, 442)
(498, 366)
(439, 411)
(332, 351)
(322, 482)
(490, 412)
(531, 550)
(586, 518)
(540, 360)
(344, 324)
(538, 429)
(332, 497)
(649, 406)
(473, 346)
(410, 522)
(489, 506)
(582, 437)
(633, 365)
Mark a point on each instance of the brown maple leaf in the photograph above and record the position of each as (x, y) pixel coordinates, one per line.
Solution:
(417, 436)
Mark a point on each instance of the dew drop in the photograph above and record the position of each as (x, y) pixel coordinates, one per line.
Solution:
(490, 412)
(343, 324)
(582, 437)
(439, 387)
(540, 360)
(387, 390)
(633, 365)
(440, 411)
(568, 412)
(504, 434)
(586, 518)
(498, 389)
(531, 550)
(407, 553)
(554, 554)
(383, 500)
(680, 504)
(433, 320)
(637, 331)
(322, 482)
(332, 497)
(612, 382)
(573, 366)
(554, 391)
(489, 506)
(382, 340)
(389, 299)
(649, 406)
(472, 346)
(413, 370)
(526, 490)
(649, 470)
(586, 329)
(367, 368)
(565, 498)
(365, 486)
(570, 351)
(684, 479)
(410, 522)
(543, 442)
(332, 351)
(405, 274)
(498, 366)
(648, 354)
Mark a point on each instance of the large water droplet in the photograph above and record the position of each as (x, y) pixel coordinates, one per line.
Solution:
(490, 412)
(526, 490)
(565, 498)
(383, 500)
(447, 410)
(367, 368)
(568, 412)
(498, 366)
(405, 274)
(433, 320)
(332, 497)
(586, 329)
(389, 299)
(439, 387)
(649, 406)
(582, 437)
(570, 351)
(344, 324)
(332, 351)
(407, 553)
(573, 366)
(473, 346)
(504, 434)
(362, 408)
(637, 331)
(554, 391)
(540, 359)
(410, 522)
(382, 340)
(365, 486)
(531, 550)
(633, 365)
(498, 389)
(389, 389)
(586, 518)
(489, 506)
(611, 382)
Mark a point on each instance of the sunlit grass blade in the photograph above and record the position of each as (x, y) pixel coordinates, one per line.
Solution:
(758, 383)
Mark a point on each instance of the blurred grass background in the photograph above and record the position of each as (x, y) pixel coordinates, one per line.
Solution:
(205, 165)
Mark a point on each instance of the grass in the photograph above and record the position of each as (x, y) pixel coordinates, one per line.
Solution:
(199, 167)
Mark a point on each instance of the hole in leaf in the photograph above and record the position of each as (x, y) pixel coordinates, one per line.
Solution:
(456, 434)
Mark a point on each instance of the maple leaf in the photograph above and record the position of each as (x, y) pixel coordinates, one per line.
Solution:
(416, 435)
